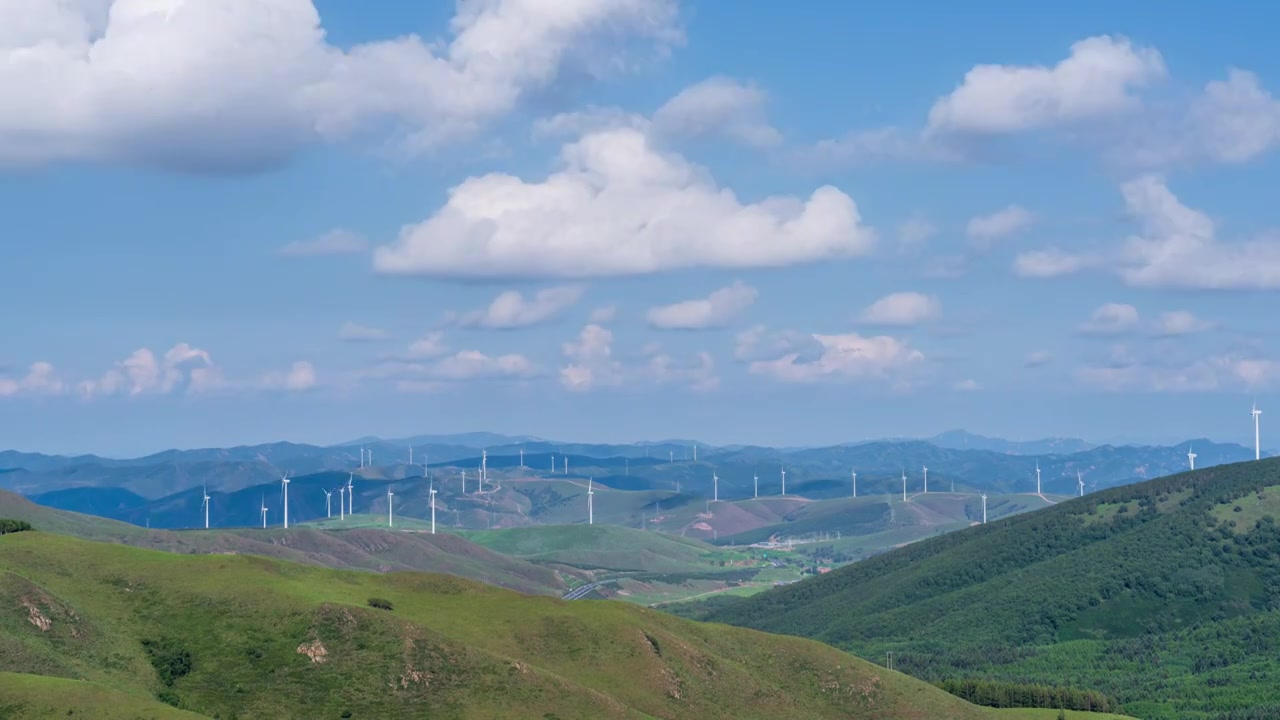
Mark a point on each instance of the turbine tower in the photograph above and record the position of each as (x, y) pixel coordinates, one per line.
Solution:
(361, 456)
(389, 496)
(433, 509)
(1080, 482)
(1191, 458)
(284, 488)
(566, 464)
(351, 495)
(715, 485)
(410, 454)
(328, 504)
(926, 478)
(264, 512)
(1038, 478)
(521, 458)
(342, 502)
(484, 467)
(1257, 438)
(755, 478)
(784, 482)
(591, 511)
(205, 505)
(695, 452)
(855, 483)
(984, 508)
(904, 486)
(464, 482)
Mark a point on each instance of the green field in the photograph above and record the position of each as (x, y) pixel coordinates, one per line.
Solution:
(1164, 595)
(37, 697)
(247, 637)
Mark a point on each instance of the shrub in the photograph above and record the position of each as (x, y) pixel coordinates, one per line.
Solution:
(13, 526)
(380, 603)
(170, 661)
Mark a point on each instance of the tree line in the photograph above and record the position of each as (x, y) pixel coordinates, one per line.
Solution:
(12, 526)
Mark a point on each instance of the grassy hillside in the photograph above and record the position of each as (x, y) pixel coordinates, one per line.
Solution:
(38, 697)
(361, 547)
(1164, 594)
(248, 637)
(608, 547)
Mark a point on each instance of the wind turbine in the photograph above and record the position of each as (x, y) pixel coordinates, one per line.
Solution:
(484, 467)
(410, 454)
(1080, 481)
(351, 495)
(984, 508)
(205, 506)
(784, 482)
(264, 512)
(715, 485)
(671, 456)
(464, 482)
(284, 488)
(389, 495)
(756, 479)
(433, 509)
(1038, 477)
(904, 486)
(855, 483)
(926, 478)
(328, 503)
(1191, 457)
(591, 516)
(553, 462)
(342, 502)
(521, 458)
(566, 464)
(1257, 438)
(695, 452)
(361, 456)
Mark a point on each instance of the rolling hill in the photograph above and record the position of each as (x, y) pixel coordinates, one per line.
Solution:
(1163, 594)
(242, 637)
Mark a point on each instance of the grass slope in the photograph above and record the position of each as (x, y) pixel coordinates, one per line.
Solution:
(248, 637)
(1164, 594)
(38, 697)
(606, 547)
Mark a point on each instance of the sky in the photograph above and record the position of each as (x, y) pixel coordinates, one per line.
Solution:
(239, 221)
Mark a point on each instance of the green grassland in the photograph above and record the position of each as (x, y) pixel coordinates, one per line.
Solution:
(38, 697)
(1164, 595)
(231, 636)
(610, 547)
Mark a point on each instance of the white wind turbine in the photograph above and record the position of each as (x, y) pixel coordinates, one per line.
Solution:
(591, 511)
(342, 502)
(521, 458)
(328, 504)
(1080, 482)
(410, 454)
(1191, 457)
(361, 456)
(433, 509)
(715, 485)
(926, 478)
(264, 512)
(566, 464)
(756, 479)
(904, 486)
(784, 482)
(855, 482)
(484, 467)
(984, 508)
(284, 489)
(351, 495)
(464, 482)
(389, 496)
(1257, 437)
(1038, 478)
(205, 505)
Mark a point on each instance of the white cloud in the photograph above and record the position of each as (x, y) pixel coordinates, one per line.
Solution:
(1096, 80)
(1037, 358)
(590, 361)
(619, 206)
(968, 385)
(1048, 263)
(914, 231)
(41, 379)
(475, 365)
(718, 105)
(355, 332)
(759, 343)
(1236, 120)
(850, 356)
(699, 375)
(334, 242)
(986, 229)
(144, 373)
(431, 345)
(1179, 322)
(300, 376)
(715, 310)
(1217, 372)
(240, 84)
(511, 310)
(903, 308)
(866, 147)
(576, 123)
(1178, 247)
(603, 314)
(1111, 319)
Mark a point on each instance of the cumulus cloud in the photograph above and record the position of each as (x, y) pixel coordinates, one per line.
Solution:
(355, 332)
(759, 343)
(182, 366)
(511, 309)
(985, 230)
(334, 242)
(715, 310)
(718, 106)
(301, 375)
(590, 361)
(40, 379)
(1111, 319)
(903, 308)
(475, 365)
(431, 345)
(844, 357)
(1049, 263)
(1124, 372)
(1179, 322)
(1097, 79)
(619, 206)
(117, 80)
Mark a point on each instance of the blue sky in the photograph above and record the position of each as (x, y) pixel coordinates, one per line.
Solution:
(250, 220)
